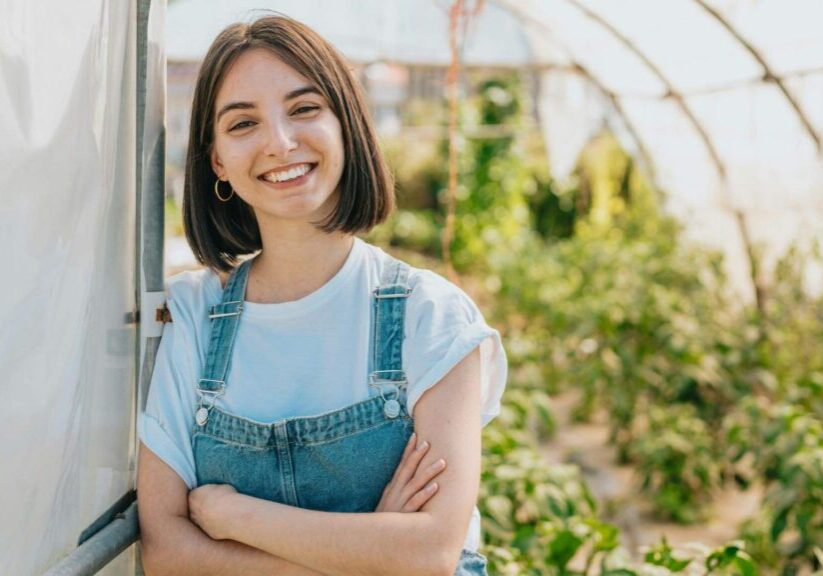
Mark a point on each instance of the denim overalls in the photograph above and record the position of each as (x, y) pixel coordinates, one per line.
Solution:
(338, 461)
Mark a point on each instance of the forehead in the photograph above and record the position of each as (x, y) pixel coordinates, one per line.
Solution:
(258, 72)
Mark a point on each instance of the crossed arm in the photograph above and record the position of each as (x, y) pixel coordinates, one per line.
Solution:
(245, 535)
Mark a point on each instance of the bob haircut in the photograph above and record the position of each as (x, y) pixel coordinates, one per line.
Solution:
(218, 232)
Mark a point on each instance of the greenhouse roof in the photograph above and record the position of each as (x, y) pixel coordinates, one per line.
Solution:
(721, 100)
(410, 31)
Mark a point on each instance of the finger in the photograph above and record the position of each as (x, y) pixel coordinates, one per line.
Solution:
(409, 466)
(410, 446)
(425, 475)
(417, 501)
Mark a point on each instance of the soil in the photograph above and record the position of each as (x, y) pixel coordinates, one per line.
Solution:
(617, 490)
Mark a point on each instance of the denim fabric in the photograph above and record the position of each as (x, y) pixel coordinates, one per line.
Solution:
(338, 461)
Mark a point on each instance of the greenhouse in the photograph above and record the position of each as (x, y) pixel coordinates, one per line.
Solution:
(630, 190)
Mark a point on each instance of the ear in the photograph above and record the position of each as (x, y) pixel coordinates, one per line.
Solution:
(216, 164)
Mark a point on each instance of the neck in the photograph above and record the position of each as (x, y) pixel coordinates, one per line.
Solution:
(296, 260)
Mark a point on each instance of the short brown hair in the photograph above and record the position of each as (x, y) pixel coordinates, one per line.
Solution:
(218, 232)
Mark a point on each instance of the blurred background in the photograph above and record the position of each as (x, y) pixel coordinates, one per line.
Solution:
(638, 210)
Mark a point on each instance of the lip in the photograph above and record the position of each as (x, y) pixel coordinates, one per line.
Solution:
(289, 183)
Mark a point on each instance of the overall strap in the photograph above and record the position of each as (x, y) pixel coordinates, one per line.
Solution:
(224, 318)
(389, 323)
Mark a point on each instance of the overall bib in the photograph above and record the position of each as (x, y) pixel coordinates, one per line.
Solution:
(338, 461)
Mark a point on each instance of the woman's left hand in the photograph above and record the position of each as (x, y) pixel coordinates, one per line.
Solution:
(210, 508)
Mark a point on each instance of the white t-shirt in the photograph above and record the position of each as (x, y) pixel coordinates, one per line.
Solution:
(311, 355)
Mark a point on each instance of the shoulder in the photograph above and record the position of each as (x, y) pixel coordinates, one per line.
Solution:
(190, 293)
(429, 286)
(422, 280)
(191, 282)
(432, 295)
(436, 303)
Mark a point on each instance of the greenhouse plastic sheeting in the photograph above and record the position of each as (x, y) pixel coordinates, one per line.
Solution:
(411, 31)
(722, 99)
(67, 224)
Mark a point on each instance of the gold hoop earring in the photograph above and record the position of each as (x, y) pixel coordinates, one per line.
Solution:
(217, 192)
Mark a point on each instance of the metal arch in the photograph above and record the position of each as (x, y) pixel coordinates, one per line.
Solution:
(724, 87)
(768, 74)
(671, 92)
(739, 216)
(740, 219)
(579, 68)
(618, 108)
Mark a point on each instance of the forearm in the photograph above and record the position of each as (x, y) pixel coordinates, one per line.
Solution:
(342, 544)
(188, 550)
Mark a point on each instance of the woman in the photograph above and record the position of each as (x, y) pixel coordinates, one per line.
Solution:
(277, 436)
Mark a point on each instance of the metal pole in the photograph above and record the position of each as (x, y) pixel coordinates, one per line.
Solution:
(102, 548)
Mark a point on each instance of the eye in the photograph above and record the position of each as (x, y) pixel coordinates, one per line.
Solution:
(243, 124)
(306, 109)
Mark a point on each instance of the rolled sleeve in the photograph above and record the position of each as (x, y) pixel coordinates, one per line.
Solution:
(164, 446)
(444, 326)
(165, 424)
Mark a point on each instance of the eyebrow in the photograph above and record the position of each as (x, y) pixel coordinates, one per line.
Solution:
(249, 105)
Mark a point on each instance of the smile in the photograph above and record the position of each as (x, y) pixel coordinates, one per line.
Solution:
(279, 176)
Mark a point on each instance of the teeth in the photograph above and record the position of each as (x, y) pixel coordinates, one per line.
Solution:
(295, 172)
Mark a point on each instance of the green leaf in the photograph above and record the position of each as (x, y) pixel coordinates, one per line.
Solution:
(779, 523)
(563, 548)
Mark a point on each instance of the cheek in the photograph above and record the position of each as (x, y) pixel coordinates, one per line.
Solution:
(235, 154)
(336, 150)
(329, 138)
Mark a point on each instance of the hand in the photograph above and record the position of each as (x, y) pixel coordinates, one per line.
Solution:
(210, 508)
(410, 487)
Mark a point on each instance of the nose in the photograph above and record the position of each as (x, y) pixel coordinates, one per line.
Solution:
(280, 138)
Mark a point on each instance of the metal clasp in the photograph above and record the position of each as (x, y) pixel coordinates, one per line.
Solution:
(237, 311)
(391, 405)
(207, 400)
(403, 294)
(373, 379)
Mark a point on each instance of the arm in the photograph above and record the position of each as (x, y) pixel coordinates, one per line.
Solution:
(427, 542)
(173, 544)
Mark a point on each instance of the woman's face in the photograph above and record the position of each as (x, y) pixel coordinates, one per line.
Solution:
(276, 140)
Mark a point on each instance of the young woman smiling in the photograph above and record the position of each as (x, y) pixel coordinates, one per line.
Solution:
(316, 404)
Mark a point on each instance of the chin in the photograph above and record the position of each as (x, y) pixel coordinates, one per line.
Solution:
(298, 206)
(296, 213)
